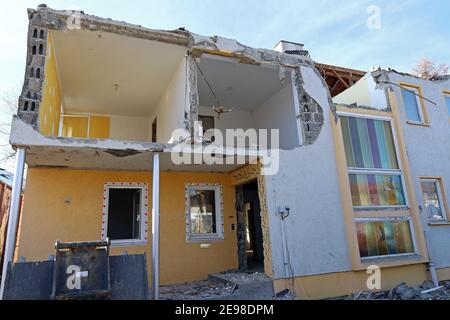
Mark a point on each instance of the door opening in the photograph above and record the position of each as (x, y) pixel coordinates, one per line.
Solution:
(251, 253)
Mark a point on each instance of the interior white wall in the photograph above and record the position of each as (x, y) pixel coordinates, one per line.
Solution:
(278, 112)
(129, 128)
(364, 93)
(237, 119)
(171, 106)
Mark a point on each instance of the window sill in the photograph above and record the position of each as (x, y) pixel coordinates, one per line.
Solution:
(392, 261)
(128, 243)
(420, 124)
(205, 239)
(439, 223)
(381, 208)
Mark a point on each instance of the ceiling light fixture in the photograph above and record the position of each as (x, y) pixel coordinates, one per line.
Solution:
(216, 106)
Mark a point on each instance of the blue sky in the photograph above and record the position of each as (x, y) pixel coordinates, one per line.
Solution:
(335, 32)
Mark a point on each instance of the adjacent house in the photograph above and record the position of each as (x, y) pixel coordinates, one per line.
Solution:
(419, 111)
(6, 183)
(342, 185)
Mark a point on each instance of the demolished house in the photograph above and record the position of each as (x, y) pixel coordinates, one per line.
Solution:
(100, 104)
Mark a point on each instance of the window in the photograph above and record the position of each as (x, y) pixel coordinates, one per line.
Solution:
(447, 101)
(373, 168)
(207, 124)
(432, 199)
(204, 212)
(384, 237)
(413, 105)
(376, 184)
(125, 213)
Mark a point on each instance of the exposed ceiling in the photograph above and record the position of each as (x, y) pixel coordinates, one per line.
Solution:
(339, 79)
(112, 74)
(237, 85)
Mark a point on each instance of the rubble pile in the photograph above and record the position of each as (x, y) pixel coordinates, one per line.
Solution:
(426, 291)
(200, 290)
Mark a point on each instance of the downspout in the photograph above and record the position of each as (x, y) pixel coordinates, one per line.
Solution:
(13, 218)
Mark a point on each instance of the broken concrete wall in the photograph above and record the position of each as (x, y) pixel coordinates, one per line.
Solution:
(307, 182)
(31, 95)
(44, 19)
(310, 112)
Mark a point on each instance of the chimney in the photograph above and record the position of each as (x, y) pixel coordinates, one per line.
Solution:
(290, 48)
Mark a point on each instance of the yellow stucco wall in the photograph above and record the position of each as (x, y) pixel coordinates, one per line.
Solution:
(50, 107)
(339, 284)
(66, 205)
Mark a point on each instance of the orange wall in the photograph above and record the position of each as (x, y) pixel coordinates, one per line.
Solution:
(66, 205)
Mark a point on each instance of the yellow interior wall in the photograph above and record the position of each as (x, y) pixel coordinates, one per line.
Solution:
(75, 127)
(86, 127)
(99, 127)
(50, 107)
(59, 209)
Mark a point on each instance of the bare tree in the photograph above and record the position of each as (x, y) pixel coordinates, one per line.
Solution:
(427, 69)
(8, 107)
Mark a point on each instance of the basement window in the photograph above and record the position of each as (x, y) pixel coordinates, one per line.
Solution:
(125, 213)
(204, 213)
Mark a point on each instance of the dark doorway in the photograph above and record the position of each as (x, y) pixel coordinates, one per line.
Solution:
(124, 206)
(249, 229)
(154, 130)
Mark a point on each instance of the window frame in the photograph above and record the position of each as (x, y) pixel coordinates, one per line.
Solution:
(218, 199)
(420, 103)
(144, 212)
(447, 105)
(382, 219)
(441, 198)
(378, 171)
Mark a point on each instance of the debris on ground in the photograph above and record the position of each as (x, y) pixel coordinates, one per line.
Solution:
(285, 295)
(199, 290)
(241, 277)
(426, 291)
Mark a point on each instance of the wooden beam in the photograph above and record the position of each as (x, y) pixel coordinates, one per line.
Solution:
(341, 79)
